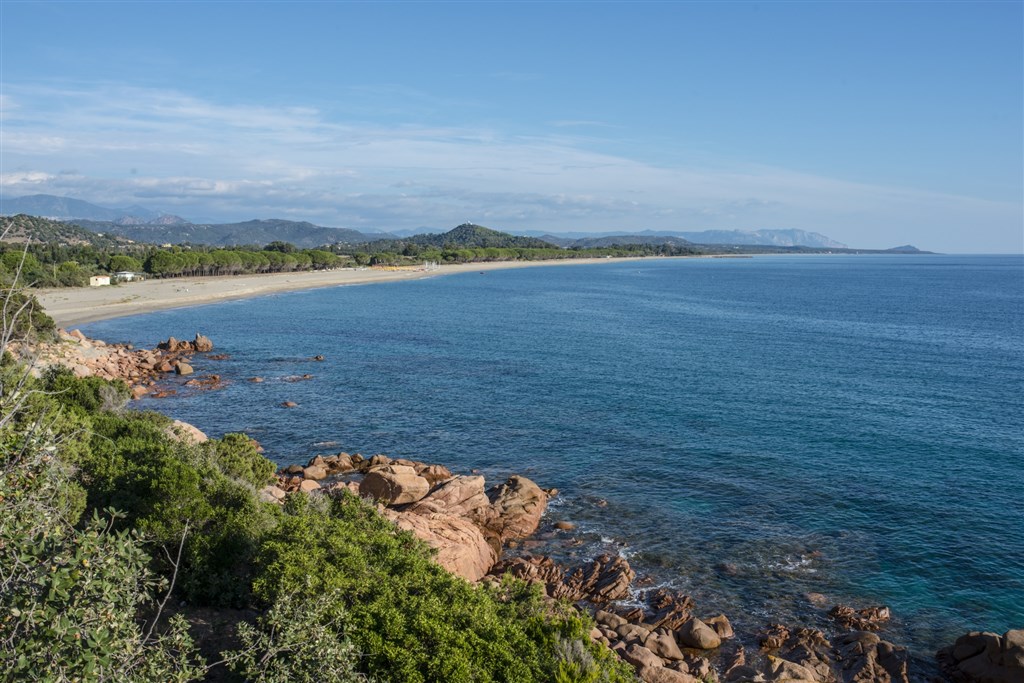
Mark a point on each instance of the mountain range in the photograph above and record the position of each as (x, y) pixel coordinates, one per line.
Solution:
(145, 225)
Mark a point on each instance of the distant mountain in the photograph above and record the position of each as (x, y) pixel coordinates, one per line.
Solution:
(779, 238)
(625, 240)
(468, 236)
(258, 232)
(66, 208)
(22, 228)
(906, 249)
(162, 219)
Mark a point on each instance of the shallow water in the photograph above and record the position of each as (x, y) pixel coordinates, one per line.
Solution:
(759, 428)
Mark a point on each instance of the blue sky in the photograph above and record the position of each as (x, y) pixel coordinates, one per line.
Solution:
(875, 123)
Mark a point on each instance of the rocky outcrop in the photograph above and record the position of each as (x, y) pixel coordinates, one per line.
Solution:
(140, 369)
(201, 344)
(805, 654)
(459, 496)
(598, 581)
(460, 544)
(517, 506)
(867, 619)
(394, 485)
(981, 657)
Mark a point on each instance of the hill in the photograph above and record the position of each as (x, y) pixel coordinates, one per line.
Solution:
(35, 230)
(468, 236)
(259, 232)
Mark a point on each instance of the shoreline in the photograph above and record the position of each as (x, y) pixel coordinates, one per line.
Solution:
(69, 306)
(284, 283)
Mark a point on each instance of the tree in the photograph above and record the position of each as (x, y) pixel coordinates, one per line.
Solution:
(282, 247)
(120, 263)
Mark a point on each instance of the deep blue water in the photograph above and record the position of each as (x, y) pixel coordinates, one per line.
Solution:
(760, 428)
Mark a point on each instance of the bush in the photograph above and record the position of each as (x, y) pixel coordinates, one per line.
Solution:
(411, 620)
(70, 596)
(237, 457)
(301, 638)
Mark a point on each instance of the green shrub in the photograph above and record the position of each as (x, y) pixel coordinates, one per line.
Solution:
(71, 596)
(237, 457)
(411, 620)
(300, 639)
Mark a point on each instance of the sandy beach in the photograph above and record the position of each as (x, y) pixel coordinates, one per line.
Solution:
(77, 305)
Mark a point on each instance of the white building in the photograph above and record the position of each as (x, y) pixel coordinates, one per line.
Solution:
(127, 276)
(99, 280)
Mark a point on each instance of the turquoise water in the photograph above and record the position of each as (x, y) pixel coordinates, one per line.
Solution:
(759, 428)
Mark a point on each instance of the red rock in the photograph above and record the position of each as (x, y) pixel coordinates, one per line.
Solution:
(460, 544)
(516, 506)
(183, 431)
(696, 634)
(394, 485)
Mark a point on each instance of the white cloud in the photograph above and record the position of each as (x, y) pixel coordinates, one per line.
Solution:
(211, 161)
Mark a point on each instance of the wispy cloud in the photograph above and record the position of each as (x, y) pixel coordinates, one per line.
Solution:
(214, 161)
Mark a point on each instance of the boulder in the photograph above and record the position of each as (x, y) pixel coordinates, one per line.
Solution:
(640, 657)
(781, 670)
(316, 472)
(308, 485)
(434, 473)
(696, 634)
(461, 496)
(378, 460)
(184, 432)
(632, 633)
(202, 344)
(608, 619)
(394, 485)
(516, 508)
(664, 645)
(460, 545)
(272, 494)
(602, 580)
(660, 674)
(978, 657)
(863, 657)
(183, 368)
(721, 625)
(668, 608)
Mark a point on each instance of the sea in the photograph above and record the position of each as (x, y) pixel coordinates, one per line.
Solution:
(770, 435)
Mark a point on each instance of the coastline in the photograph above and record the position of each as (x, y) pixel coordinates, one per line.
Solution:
(377, 276)
(70, 306)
